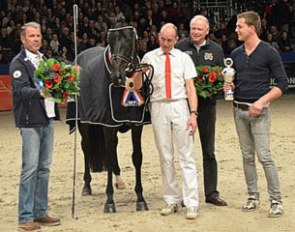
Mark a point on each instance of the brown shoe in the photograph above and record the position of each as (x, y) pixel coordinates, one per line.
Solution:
(48, 221)
(217, 201)
(29, 226)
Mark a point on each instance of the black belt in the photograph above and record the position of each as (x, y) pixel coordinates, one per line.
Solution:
(243, 107)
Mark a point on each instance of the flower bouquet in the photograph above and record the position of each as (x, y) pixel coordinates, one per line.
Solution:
(209, 80)
(58, 79)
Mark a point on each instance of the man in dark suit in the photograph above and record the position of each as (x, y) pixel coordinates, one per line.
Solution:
(205, 52)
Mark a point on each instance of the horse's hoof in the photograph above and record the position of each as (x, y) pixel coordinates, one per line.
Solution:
(142, 206)
(86, 191)
(120, 185)
(110, 208)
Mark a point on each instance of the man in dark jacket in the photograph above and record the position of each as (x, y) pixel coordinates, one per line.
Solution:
(205, 52)
(34, 115)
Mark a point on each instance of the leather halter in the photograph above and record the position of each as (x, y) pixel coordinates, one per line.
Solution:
(133, 59)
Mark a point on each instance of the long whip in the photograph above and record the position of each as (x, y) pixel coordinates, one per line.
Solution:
(75, 13)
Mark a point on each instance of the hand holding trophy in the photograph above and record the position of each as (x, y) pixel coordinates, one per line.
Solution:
(228, 74)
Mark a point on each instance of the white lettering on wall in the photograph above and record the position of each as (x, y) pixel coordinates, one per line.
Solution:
(291, 82)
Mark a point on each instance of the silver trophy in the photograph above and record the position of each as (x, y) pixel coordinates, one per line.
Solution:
(228, 74)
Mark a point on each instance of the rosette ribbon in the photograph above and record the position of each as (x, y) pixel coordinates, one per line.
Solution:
(131, 96)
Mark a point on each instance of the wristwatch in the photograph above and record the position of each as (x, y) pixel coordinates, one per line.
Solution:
(194, 112)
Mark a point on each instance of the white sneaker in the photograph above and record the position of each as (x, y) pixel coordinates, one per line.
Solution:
(276, 209)
(170, 209)
(191, 213)
(251, 204)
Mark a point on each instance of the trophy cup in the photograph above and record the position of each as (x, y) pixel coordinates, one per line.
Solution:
(228, 74)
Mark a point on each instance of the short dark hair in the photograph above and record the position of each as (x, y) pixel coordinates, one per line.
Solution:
(251, 19)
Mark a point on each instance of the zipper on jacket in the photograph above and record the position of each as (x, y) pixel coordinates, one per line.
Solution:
(27, 116)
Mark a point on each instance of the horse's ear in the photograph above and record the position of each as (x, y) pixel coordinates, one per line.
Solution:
(108, 37)
(127, 14)
(122, 20)
(113, 23)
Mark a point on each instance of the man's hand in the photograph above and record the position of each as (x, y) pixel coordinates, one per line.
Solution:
(137, 78)
(256, 108)
(192, 124)
(228, 86)
(44, 93)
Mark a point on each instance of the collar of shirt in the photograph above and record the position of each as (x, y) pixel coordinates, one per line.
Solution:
(171, 52)
(32, 56)
(199, 46)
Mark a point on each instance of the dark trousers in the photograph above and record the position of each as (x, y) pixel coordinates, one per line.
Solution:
(206, 126)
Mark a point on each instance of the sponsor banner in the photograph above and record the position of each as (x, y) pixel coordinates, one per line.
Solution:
(5, 93)
(290, 70)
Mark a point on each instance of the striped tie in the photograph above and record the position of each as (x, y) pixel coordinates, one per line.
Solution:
(168, 76)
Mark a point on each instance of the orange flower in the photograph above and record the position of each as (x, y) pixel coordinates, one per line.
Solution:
(48, 84)
(212, 77)
(65, 95)
(71, 77)
(55, 67)
(218, 73)
(200, 79)
(57, 78)
(205, 69)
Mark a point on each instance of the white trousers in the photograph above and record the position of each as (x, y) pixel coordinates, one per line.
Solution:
(169, 121)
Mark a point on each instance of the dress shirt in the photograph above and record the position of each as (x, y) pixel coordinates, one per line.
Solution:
(182, 68)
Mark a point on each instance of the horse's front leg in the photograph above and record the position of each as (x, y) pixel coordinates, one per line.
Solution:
(111, 142)
(136, 132)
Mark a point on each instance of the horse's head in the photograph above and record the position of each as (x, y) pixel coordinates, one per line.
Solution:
(122, 40)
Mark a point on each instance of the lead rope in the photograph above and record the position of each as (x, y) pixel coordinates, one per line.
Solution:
(75, 13)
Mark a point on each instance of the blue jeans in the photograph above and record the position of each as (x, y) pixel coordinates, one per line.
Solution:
(37, 148)
(253, 133)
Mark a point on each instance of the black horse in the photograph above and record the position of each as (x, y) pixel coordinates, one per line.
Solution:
(102, 77)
